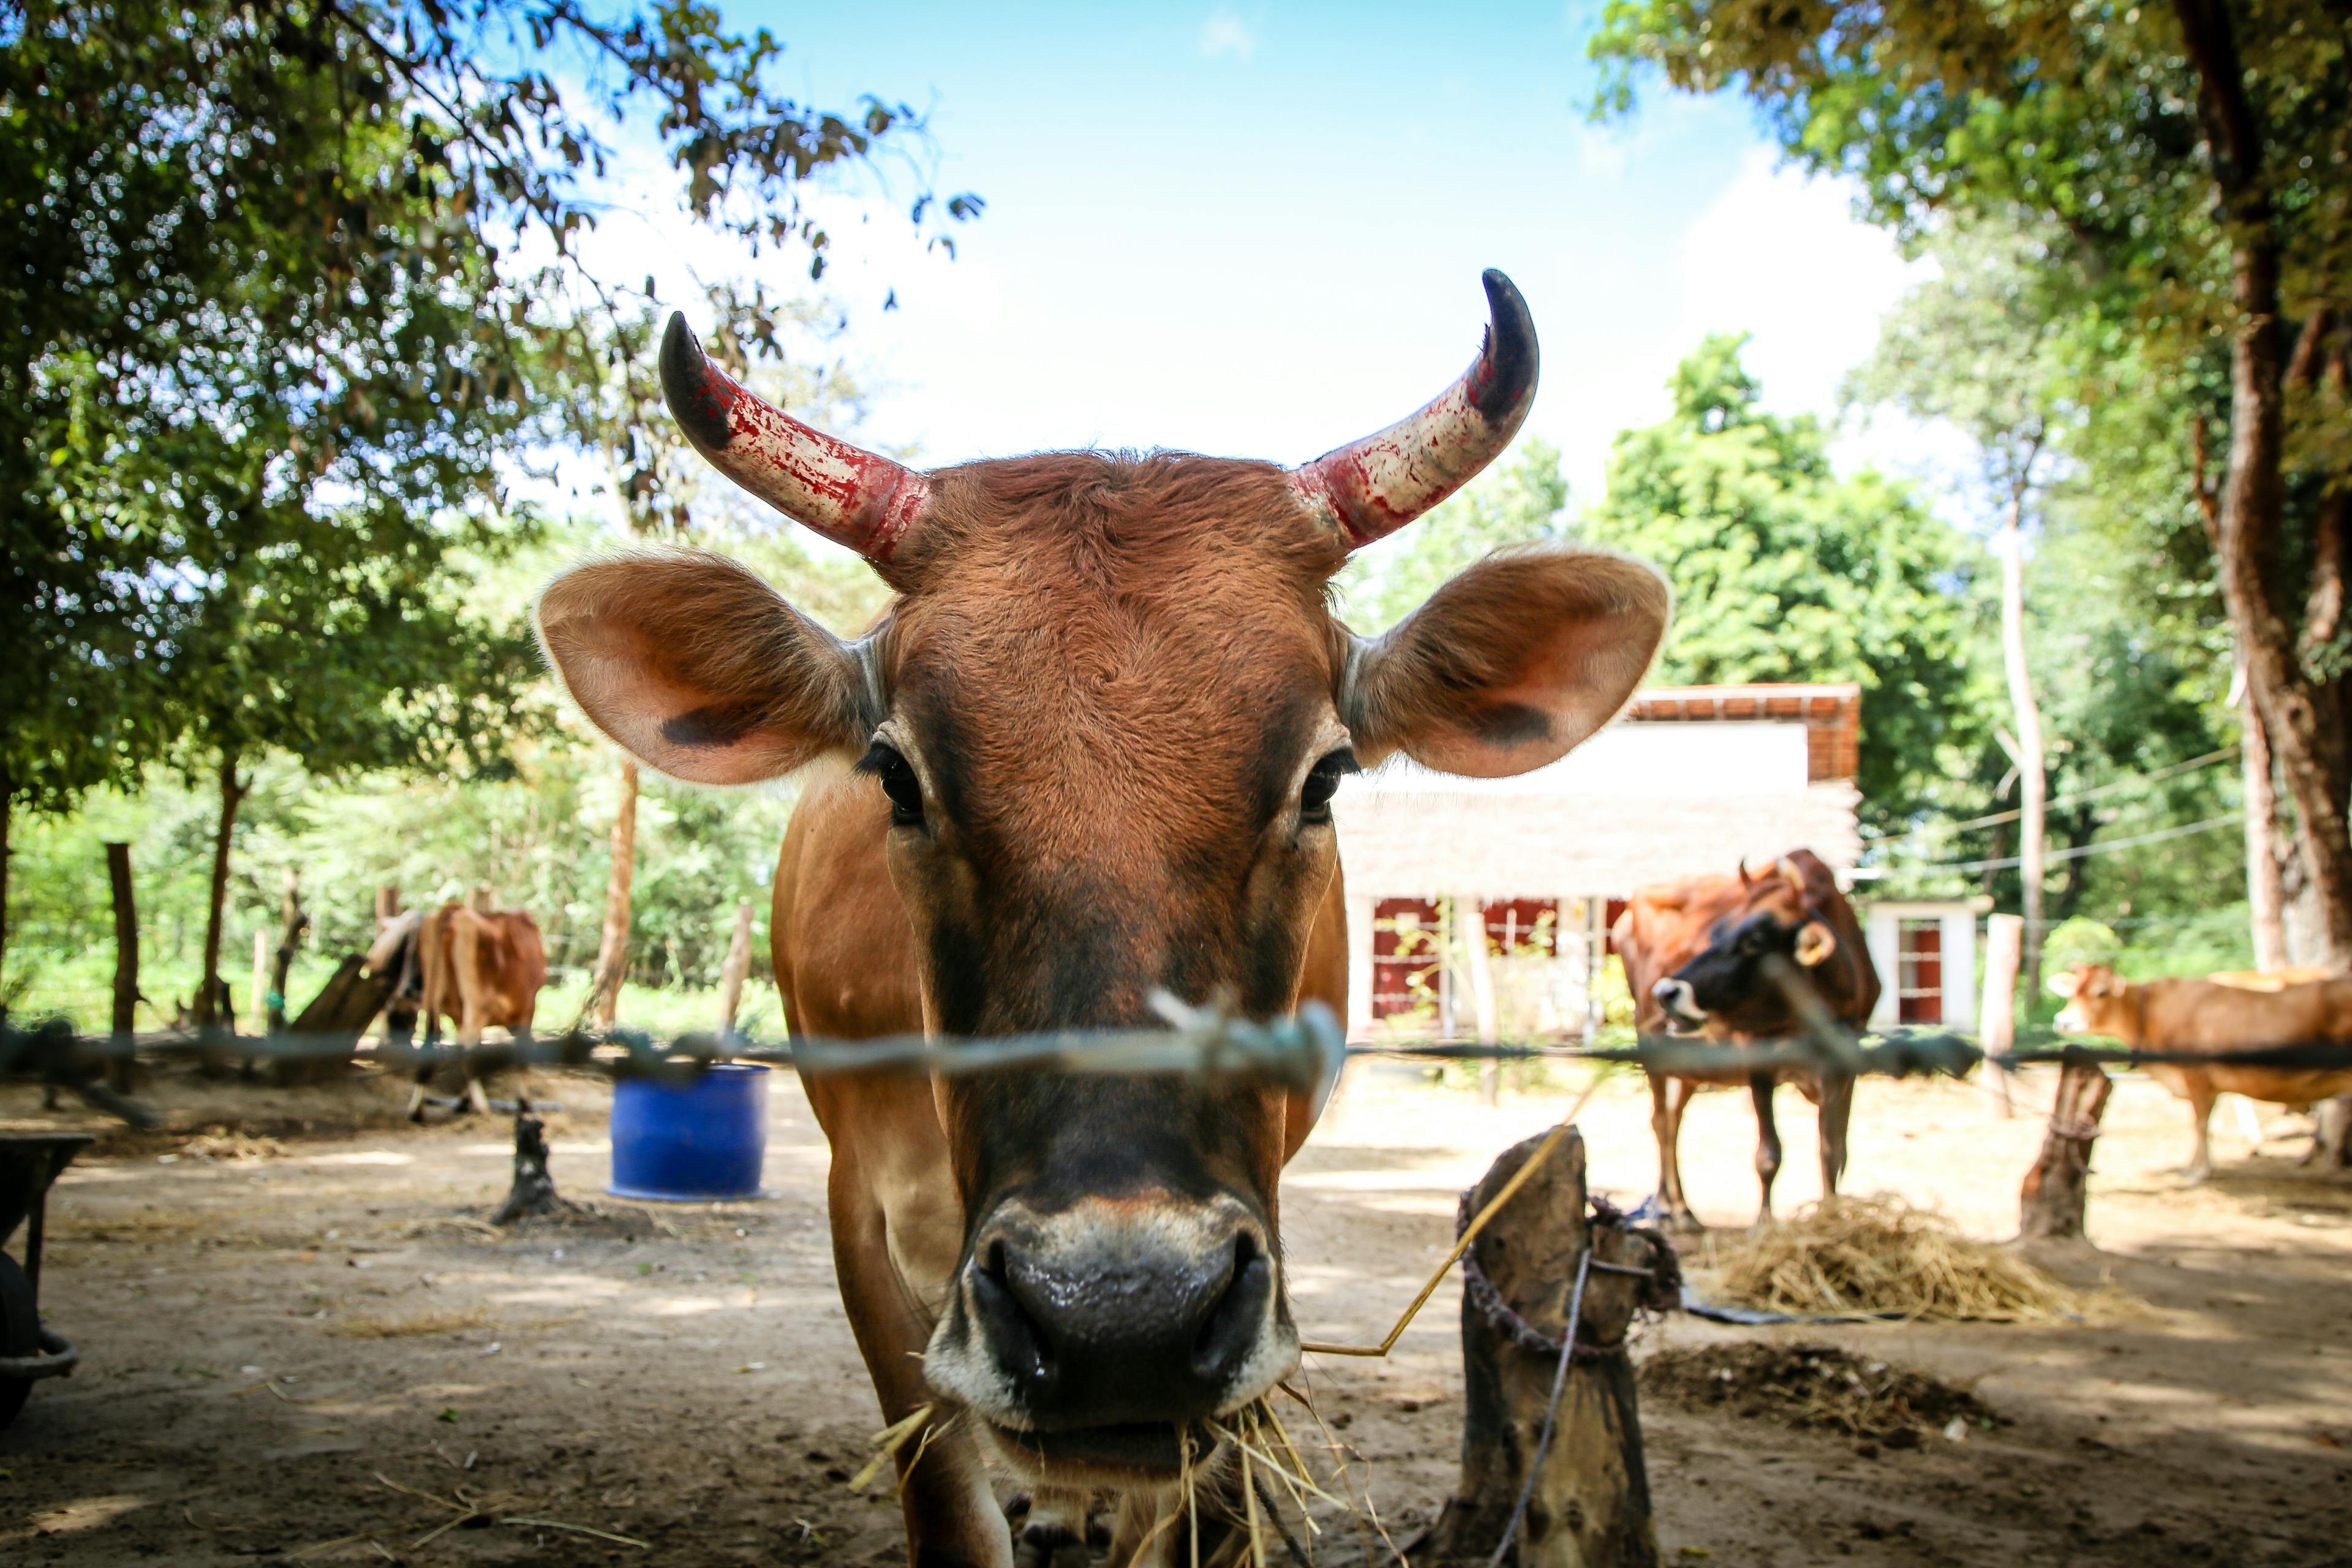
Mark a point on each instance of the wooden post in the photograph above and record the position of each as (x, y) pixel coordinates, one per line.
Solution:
(2050, 1207)
(388, 904)
(1590, 1504)
(737, 965)
(1997, 1015)
(295, 922)
(613, 951)
(256, 1001)
(1470, 928)
(126, 964)
(2331, 1138)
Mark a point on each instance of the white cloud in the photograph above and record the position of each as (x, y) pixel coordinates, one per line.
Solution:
(1783, 257)
(1225, 34)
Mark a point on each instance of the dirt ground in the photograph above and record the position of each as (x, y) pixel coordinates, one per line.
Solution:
(302, 1339)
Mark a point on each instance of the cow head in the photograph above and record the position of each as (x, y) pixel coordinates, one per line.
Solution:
(2098, 1002)
(1791, 912)
(1103, 722)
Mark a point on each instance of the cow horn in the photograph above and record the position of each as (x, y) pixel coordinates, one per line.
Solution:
(1371, 487)
(849, 495)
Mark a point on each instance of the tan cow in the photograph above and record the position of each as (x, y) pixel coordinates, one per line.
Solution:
(1089, 754)
(2207, 1015)
(1694, 952)
(480, 971)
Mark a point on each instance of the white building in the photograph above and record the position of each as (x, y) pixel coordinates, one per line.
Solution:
(1689, 779)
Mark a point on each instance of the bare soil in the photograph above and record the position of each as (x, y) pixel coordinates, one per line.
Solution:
(296, 1330)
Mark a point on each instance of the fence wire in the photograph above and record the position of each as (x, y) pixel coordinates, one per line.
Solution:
(1304, 1053)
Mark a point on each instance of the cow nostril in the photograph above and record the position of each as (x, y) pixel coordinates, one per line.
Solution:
(1019, 1346)
(1229, 1330)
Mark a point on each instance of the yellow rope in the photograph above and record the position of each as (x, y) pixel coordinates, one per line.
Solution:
(1462, 1245)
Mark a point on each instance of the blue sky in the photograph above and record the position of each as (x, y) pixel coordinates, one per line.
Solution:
(1257, 229)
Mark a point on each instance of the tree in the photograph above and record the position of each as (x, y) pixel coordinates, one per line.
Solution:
(1981, 347)
(2196, 157)
(228, 214)
(1783, 571)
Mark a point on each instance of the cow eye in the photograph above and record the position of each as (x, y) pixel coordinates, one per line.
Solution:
(886, 763)
(1322, 783)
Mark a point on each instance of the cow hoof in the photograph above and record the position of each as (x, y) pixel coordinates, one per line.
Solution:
(1046, 1546)
(1682, 1222)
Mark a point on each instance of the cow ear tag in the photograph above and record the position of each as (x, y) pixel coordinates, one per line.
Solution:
(1815, 942)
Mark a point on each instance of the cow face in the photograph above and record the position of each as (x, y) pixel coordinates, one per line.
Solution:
(1103, 723)
(2098, 1002)
(1726, 984)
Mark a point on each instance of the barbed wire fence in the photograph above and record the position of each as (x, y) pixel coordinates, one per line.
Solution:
(1304, 1053)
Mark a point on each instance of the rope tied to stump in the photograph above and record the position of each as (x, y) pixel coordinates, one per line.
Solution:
(1662, 1291)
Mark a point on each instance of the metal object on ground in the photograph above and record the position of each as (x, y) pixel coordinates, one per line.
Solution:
(29, 1162)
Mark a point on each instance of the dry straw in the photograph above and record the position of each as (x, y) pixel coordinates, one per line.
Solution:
(1881, 1257)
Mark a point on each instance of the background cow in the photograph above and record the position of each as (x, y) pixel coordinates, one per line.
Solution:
(480, 971)
(2211, 1016)
(1089, 754)
(1695, 955)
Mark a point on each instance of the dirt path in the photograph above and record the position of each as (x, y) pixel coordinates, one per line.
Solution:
(275, 1346)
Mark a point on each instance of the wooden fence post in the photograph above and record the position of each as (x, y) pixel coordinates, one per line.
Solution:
(737, 965)
(256, 1001)
(2050, 1207)
(295, 922)
(1997, 1017)
(126, 964)
(388, 904)
(1589, 1507)
(1478, 965)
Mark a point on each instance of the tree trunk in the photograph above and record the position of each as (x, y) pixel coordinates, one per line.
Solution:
(7, 811)
(2265, 879)
(126, 964)
(2032, 778)
(738, 966)
(1997, 1016)
(209, 984)
(613, 952)
(289, 938)
(2305, 725)
(1590, 1504)
(2051, 1207)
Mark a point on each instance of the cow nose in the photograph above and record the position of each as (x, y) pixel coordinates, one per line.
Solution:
(1098, 1333)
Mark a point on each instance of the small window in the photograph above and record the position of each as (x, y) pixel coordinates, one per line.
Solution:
(1408, 956)
(1919, 972)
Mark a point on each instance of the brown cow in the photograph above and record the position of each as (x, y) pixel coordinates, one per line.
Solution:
(478, 971)
(1694, 953)
(2209, 1015)
(1088, 754)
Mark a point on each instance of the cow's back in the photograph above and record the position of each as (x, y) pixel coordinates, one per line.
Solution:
(2219, 1017)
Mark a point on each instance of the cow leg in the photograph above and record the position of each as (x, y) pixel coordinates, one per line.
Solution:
(1768, 1140)
(1837, 1109)
(416, 1095)
(2201, 1106)
(897, 1230)
(475, 1097)
(1669, 1096)
(1055, 1533)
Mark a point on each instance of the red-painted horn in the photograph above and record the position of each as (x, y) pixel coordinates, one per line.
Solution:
(1371, 487)
(849, 495)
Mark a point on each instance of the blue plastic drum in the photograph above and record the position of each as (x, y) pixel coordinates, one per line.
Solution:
(691, 1141)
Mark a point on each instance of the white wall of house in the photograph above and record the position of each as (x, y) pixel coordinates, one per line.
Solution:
(1638, 761)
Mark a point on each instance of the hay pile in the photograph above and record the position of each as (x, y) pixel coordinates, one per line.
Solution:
(1817, 1387)
(1879, 1256)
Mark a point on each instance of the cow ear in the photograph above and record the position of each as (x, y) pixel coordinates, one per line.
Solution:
(1815, 942)
(1511, 664)
(698, 668)
(2067, 982)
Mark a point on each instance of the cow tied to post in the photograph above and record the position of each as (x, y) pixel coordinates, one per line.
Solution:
(1697, 958)
(1088, 754)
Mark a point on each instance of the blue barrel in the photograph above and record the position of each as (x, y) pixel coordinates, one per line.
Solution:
(693, 1141)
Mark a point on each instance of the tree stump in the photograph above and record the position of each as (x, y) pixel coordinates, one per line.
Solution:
(533, 1192)
(1589, 1507)
(2051, 1207)
(2331, 1139)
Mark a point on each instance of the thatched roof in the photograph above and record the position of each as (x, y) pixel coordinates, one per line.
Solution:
(1396, 843)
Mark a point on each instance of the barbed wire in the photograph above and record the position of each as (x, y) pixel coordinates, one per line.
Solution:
(1304, 1053)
